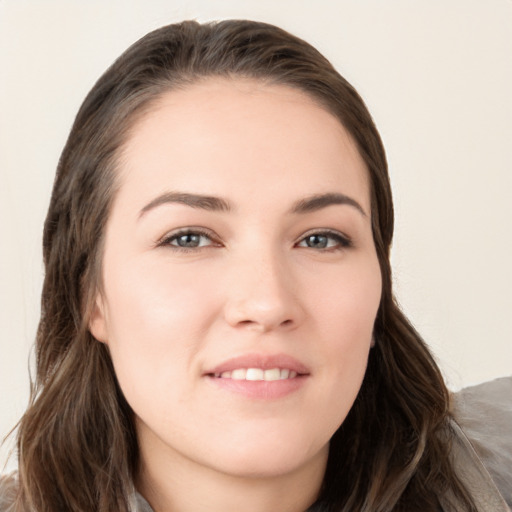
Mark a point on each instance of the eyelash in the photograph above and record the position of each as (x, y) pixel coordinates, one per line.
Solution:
(341, 241)
(167, 240)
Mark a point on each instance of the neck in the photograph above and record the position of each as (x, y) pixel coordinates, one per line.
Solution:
(190, 487)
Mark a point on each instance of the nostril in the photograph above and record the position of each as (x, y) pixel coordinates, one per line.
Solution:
(262, 312)
(264, 325)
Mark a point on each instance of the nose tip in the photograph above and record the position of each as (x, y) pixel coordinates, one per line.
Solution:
(263, 302)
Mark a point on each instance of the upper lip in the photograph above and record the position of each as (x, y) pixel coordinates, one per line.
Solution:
(263, 361)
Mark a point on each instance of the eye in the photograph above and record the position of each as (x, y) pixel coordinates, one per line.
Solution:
(325, 240)
(188, 239)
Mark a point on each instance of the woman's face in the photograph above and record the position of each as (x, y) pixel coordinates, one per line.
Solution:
(240, 278)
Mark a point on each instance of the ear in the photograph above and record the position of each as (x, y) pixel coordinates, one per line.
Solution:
(98, 320)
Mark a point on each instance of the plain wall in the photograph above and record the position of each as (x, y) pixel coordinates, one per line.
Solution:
(437, 76)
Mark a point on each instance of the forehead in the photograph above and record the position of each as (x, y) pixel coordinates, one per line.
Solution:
(220, 132)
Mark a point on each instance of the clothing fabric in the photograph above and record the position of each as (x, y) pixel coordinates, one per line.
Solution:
(482, 450)
(483, 445)
(484, 413)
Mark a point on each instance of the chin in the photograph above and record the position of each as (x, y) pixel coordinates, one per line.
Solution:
(271, 459)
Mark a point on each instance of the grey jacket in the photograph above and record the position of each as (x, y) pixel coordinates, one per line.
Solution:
(482, 450)
(483, 447)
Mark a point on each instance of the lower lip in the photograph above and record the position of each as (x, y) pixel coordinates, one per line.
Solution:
(261, 389)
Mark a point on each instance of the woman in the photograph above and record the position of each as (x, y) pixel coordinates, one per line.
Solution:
(218, 327)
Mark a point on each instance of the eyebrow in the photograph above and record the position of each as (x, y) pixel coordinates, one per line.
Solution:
(210, 203)
(217, 204)
(319, 201)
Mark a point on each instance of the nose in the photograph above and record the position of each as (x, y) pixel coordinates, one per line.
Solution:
(263, 296)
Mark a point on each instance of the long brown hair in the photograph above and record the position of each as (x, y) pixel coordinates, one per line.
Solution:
(77, 443)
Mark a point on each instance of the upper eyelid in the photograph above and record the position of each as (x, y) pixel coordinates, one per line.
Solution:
(170, 235)
(325, 231)
(332, 231)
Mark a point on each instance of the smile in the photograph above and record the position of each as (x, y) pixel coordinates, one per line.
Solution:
(260, 376)
(255, 374)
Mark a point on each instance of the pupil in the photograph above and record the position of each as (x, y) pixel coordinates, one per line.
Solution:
(317, 241)
(189, 240)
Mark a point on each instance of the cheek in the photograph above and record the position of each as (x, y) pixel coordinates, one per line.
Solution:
(160, 300)
(155, 320)
(346, 306)
(347, 315)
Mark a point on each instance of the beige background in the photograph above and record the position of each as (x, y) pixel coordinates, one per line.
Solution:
(437, 76)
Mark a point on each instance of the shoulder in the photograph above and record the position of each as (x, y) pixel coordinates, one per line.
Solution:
(141, 504)
(8, 490)
(484, 414)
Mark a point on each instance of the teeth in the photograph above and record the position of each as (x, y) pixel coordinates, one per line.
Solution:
(273, 374)
(256, 374)
(238, 374)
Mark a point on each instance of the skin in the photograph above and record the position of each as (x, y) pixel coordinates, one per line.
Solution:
(256, 284)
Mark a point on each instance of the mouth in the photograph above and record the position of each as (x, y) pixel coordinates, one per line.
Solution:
(260, 376)
(257, 374)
